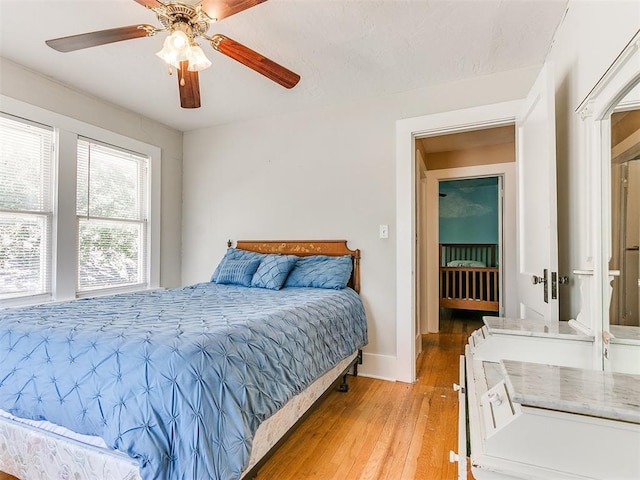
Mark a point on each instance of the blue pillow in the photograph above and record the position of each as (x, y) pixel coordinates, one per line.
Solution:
(235, 254)
(238, 272)
(321, 271)
(273, 271)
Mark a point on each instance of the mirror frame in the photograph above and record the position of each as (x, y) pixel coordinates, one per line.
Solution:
(595, 110)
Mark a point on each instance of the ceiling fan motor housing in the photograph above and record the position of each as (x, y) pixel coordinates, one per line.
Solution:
(176, 15)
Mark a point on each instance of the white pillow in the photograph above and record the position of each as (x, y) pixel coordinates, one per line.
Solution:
(465, 263)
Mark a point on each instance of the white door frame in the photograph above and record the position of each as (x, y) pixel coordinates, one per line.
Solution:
(407, 131)
(507, 235)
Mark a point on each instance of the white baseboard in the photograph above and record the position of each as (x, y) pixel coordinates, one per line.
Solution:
(382, 367)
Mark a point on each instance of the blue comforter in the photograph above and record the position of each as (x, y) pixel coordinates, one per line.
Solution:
(179, 379)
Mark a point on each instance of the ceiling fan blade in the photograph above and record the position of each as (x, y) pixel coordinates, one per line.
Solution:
(255, 61)
(220, 9)
(101, 37)
(190, 91)
(150, 3)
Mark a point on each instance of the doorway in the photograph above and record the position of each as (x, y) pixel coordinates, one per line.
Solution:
(469, 241)
(485, 157)
(534, 117)
(407, 133)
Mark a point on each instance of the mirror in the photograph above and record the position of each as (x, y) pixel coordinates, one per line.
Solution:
(625, 214)
(624, 307)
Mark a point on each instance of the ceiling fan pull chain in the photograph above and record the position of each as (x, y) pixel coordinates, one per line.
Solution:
(182, 77)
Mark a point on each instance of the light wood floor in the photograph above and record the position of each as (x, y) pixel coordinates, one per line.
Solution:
(382, 430)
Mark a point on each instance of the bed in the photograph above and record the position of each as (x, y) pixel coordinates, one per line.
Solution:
(196, 382)
(469, 277)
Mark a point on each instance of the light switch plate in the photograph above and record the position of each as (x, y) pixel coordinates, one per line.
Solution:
(384, 231)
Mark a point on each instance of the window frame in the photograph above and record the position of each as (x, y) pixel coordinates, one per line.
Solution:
(142, 215)
(64, 260)
(46, 213)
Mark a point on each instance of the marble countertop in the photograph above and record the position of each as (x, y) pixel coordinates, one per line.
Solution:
(595, 393)
(535, 328)
(624, 334)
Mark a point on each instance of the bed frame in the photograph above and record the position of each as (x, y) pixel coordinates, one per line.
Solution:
(469, 288)
(115, 465)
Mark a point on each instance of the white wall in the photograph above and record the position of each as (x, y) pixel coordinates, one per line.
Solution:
(586, 44)
(321, 173)
(329, 172)
(33, 88)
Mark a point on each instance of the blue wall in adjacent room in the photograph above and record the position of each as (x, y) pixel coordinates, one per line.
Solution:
(469, 211)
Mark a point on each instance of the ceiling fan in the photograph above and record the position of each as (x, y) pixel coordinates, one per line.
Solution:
(186, 23)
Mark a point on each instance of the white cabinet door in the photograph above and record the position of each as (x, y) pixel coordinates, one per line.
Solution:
(536, 193)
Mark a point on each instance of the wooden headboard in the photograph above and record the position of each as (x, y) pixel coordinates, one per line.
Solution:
(304, 248)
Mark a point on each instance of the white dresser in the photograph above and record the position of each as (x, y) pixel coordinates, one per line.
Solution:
(538, 421)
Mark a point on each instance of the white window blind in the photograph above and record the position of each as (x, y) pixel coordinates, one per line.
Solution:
(112, 209)
(26, 207)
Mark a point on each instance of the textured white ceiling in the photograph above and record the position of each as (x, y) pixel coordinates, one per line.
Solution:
(343, 50)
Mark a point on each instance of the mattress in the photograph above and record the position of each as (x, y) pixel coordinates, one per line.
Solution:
(181, 379)
(40, 450)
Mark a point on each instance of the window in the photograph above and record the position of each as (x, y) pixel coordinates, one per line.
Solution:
(112, 209)
(26, 207)
(79, 208)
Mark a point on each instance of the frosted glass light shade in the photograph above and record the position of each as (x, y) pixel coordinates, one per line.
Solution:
(175, 49)
(197, 59)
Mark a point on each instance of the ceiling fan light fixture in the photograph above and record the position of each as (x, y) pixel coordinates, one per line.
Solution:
(198, 61)
(178, 41)
(179, 47)
(168, 55)
(175, 48)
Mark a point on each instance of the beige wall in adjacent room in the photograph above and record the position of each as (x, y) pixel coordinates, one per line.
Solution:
(487, 155)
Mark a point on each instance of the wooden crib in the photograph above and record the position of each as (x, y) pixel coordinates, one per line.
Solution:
(469, 276)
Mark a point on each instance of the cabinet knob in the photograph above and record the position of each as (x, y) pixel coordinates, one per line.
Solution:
(495, 399)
